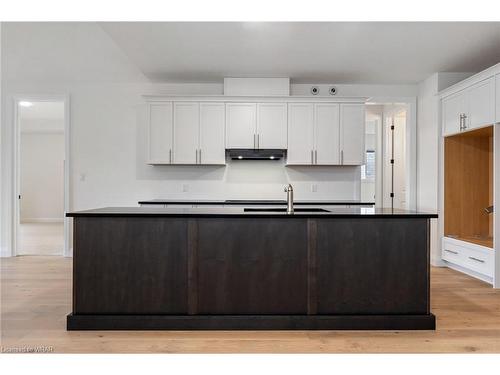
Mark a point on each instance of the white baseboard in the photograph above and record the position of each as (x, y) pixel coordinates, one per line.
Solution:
(5, 253)
(42, 220)
(469, 272)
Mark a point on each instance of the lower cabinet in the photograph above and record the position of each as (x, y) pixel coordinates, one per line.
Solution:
(476, 259)
(130, 266)
(372, 266)
(249, 266)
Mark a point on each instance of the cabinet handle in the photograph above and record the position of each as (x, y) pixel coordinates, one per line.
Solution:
(170, 156)
(316, 156)
(254, 141)
(196, 153)
(312, 157)
(341, 156)
(451, 251)
(258, 141)
(461, 117)
(465, 121)
(476, 259)
(199, 155)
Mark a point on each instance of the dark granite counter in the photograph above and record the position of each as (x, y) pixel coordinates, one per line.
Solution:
(353, 212)
(258, 202)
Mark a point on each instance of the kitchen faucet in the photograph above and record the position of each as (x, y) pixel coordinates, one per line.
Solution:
(289, 199)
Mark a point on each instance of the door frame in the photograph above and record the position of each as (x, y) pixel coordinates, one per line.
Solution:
(16, 181)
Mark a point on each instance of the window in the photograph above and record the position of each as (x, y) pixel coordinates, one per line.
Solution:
(368, 170)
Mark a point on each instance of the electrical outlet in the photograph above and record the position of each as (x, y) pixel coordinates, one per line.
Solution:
(185, 188)
(314, 188)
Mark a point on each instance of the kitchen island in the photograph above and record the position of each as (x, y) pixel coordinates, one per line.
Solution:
(247, 268)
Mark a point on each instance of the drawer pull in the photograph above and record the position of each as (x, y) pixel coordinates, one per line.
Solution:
(451, 251)
(476, 259)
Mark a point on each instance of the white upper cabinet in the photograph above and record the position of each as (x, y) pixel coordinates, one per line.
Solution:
(453, 110)
(319, 134)
(271, 126)
(241, 125)
(300, 133)
(159, 133)
(186, 133)
(471, 108)
(481, 104)
(352, 138)
(212, 124)
(326, 134)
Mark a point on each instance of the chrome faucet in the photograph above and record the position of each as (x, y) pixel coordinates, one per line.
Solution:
(289, 199)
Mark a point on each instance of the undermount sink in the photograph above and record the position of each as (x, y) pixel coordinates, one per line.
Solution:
(284, 209)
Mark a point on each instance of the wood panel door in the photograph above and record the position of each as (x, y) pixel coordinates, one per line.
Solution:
(241, 273)
(159, 133)
(130, 266)
(352, 130)
(326, 134)
(212, 124)
(186, 133)
(300, 133)
(372, 266)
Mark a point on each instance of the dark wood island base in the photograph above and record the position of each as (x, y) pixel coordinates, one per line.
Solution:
(226, 269)
(251, 322)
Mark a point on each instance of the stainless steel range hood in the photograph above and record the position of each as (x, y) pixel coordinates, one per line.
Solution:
(256, 154)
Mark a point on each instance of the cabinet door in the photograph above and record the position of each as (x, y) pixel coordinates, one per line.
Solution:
(497, 98)
(241, 125)
(452, 107)
(159, 133)
(372, 266)
(271, 125)
(481, 98)
(326, 134)
(212, 123)
(300, 133)
(352, 125)
(186, 132)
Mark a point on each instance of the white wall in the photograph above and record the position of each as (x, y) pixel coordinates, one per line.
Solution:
(428, 140)
(42, 165)
(108, 128)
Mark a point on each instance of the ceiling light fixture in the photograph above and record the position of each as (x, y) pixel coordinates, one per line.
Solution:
(25, 104)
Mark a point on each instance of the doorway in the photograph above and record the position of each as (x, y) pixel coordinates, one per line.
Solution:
(41, 177)
(386, 177)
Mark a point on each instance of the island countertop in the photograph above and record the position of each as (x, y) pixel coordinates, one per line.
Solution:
(329, 212)
(262, 202)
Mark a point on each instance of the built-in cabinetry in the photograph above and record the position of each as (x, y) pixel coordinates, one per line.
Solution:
(470, 110)
(187, 131)
(256, 125)
(325, 134)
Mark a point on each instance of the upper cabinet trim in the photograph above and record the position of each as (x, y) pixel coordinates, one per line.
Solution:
(255, 99)
(470, 81)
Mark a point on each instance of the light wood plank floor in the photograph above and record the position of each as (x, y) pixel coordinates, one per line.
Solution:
(36, 296)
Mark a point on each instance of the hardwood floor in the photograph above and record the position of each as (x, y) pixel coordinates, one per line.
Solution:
(36, 296)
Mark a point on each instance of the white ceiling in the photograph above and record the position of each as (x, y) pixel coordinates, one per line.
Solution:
(359, 52)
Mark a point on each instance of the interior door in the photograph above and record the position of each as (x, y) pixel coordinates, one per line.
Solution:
(300, 133)
(352, 125)
(272, 125)
(212, 123)
(186, 132)
(327, 134)
(160, 133)
(481, 104)
(241, 126)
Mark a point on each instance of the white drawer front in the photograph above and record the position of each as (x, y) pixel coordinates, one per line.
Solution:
(473, 257)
